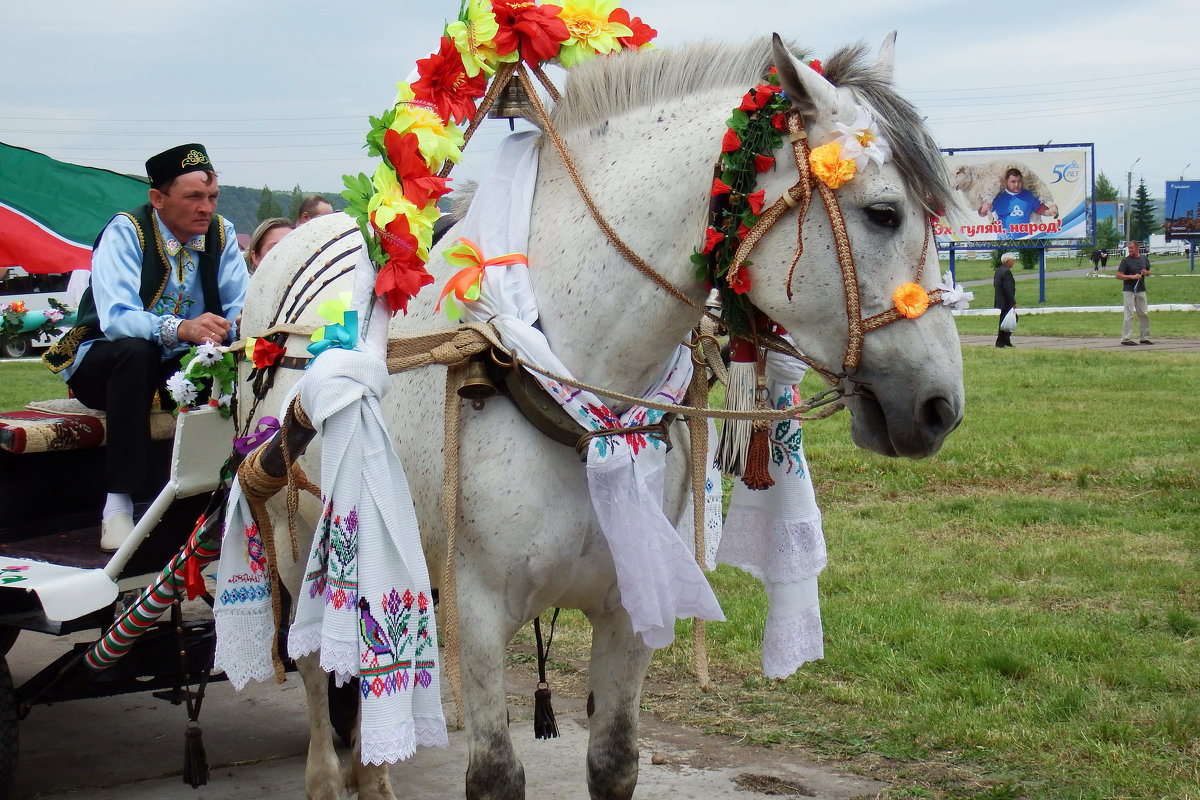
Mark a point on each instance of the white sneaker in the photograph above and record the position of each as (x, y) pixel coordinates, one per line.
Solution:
(114, 531)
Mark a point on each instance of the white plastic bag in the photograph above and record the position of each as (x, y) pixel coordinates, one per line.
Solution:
(1009, 323)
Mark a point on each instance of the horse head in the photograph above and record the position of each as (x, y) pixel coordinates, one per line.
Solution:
(857, 244)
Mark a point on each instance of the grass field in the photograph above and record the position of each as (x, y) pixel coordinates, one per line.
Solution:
(1018, 617)
(969, 269)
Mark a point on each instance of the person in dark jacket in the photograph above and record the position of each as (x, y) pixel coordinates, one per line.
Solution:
(1005, 286)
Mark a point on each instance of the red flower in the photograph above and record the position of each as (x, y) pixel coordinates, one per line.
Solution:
(742, 231)
(536, 30)
(741, 282)
(756, 201)
(404, 274)
(642, 33)
(420, 185)
(266, 353)
(731, 141)
(758, 97)
(763, 163)
(445, 85)
(712, 237)
(719, 187)
(817, 68)
(778, 122)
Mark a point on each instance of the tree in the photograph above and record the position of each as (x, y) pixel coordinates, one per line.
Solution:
(268, 206)
(1107, 237)
(1104, 189)
(297, 199)
(1141, 222)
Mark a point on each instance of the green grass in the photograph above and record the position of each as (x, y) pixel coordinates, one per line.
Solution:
(1103, 324)
(1016, 617)
(968, 269)
(22, 381)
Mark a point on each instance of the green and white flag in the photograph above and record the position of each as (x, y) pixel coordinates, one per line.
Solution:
(51, 212)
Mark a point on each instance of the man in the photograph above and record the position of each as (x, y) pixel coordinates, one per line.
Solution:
(165, 276)
(1015, 205)
(1133, 270)
(314, 206)
(1005, 287)
(1095, 258)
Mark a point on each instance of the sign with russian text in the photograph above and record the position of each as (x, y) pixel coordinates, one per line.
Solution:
(1181, 210)
(1019, 195)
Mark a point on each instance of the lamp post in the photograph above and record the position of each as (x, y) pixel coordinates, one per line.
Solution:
(1129, 194)
(1185, 169)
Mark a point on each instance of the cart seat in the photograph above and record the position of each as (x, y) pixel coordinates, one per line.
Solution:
(65, 424)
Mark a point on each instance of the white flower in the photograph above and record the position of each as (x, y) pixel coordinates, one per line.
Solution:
(225, 400)
(953, 294)
(862, 142)
(206, 355)
(53, 315)
(182, 390)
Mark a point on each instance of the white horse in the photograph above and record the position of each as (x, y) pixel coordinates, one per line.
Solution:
(645, 130)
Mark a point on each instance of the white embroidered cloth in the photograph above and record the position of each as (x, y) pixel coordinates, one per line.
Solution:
(775, 535)
(657, 576)
(365, 601)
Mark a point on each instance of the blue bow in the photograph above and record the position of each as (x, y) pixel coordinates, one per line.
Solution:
(344, 335)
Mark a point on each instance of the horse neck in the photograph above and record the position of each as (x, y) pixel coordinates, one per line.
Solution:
(650, 174)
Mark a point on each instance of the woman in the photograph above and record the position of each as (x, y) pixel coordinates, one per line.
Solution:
(266, 235)
(1005, 286)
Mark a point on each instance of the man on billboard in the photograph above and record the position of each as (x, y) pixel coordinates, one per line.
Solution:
(1014, 205)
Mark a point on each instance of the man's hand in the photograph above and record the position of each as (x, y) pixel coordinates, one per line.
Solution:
(204, 329)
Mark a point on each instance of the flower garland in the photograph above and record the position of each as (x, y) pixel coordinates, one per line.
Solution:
(204, 363)
(16, 320)
(396, 207)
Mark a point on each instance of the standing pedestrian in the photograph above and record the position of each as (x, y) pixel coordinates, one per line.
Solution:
(1133, 270)
(1005, 286)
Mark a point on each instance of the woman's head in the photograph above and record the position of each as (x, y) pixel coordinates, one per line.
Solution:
(266, 235)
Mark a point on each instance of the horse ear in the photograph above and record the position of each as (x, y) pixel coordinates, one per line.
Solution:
(886, 62)
(811, 95)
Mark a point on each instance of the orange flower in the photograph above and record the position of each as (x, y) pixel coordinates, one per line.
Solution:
(911, 300)
(828, 165)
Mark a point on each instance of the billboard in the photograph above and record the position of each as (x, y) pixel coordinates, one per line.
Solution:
(1113, 210)
(1181, 210)
(1035, 195)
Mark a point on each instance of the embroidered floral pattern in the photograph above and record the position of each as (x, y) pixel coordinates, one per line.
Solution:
(787, 437)
(394, 637)
(255, 551)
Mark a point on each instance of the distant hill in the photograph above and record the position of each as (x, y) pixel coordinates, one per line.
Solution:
(239, 204)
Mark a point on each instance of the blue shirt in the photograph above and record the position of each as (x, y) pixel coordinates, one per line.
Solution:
(1015, 209)
(117, 279)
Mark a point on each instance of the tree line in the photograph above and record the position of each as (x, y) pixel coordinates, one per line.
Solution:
(246, 207)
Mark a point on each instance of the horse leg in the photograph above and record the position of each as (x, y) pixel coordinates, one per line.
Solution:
(322, 773)
(493, 770)
(371, 781)
(618, 665)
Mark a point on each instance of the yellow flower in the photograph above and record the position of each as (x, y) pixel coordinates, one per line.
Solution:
(911, 299)
(474, 37)
(828, 165)
(436, 141)
(589, 31)
(389, 202)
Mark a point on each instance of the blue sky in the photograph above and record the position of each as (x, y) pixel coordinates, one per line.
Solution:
(280, 92)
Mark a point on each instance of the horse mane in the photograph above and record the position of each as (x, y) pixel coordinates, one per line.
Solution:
(604, 88)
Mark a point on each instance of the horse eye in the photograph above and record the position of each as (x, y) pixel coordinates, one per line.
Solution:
(884, 215)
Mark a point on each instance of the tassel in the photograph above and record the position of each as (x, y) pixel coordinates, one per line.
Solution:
(739, 396)
(544, 724)
(758, 456)
(195, 760)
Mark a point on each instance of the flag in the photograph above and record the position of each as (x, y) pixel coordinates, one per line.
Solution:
(51, 212)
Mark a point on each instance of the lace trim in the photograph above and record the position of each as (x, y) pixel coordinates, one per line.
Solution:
(771, 550)
(239, 651)
(398, 742)
(789, 642)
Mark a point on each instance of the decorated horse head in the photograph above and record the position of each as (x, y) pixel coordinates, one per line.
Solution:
(801, 194)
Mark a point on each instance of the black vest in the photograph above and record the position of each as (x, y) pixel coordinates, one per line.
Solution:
(155, 270)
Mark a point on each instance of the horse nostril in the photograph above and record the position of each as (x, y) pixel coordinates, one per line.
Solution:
(939, 417)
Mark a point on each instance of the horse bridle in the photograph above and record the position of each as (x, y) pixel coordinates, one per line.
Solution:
(799, 196)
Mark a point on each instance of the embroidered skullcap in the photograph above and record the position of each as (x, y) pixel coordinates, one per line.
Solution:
(170, 164)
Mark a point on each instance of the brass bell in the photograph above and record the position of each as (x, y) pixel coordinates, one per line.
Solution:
(476, 386)
(513, 103)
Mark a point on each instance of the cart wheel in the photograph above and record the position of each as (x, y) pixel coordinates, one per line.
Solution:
(8, 637)
(8, 730)
(343, 709)
(16, 348)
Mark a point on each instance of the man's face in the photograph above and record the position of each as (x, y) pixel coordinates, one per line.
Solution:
(321, 210)
(1134, 249)
(1013, 182)
(187, 208)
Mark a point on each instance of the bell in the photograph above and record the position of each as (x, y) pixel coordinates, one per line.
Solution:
(513, 103)
(476, 386)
